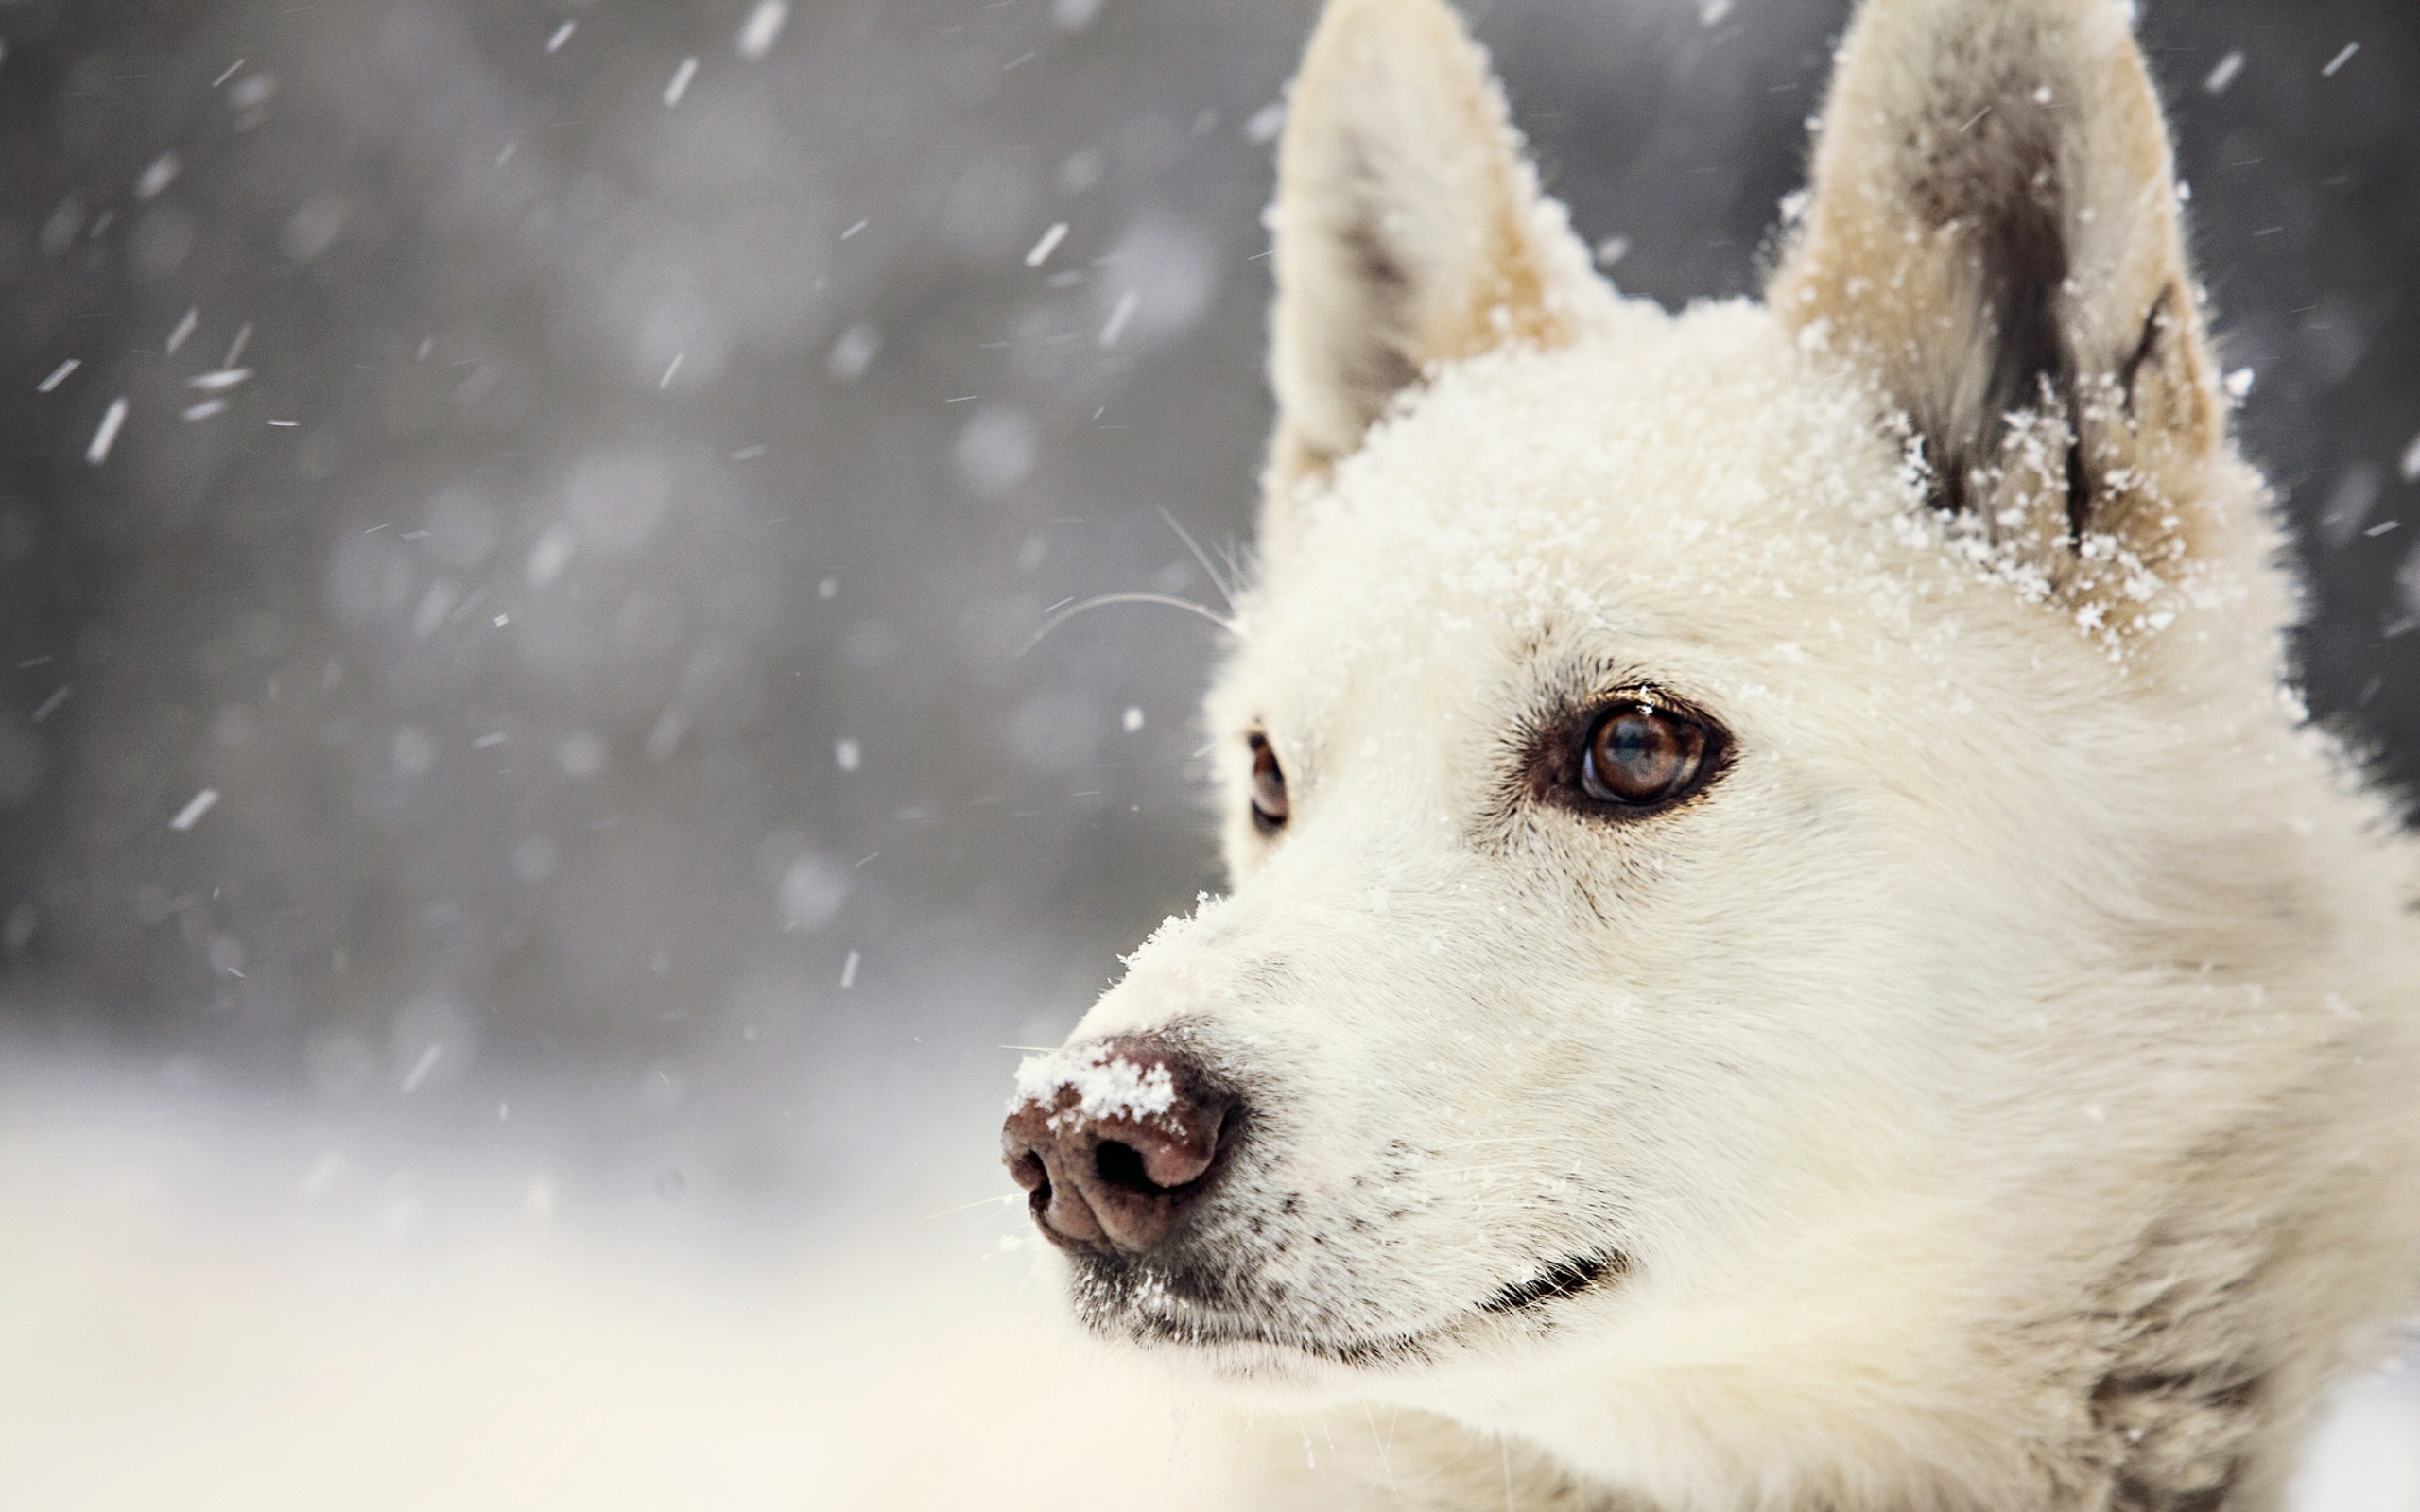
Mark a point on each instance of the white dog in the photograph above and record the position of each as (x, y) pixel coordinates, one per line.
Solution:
(1790, 948)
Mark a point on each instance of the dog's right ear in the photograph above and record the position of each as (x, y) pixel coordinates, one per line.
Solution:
(1409, 230)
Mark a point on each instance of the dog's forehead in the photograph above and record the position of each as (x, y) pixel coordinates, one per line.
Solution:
(1666, 482)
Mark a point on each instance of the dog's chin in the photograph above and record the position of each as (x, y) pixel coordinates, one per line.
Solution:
(1221, 1327)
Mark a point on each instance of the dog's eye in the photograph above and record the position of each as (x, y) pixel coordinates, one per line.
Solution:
(1638, 756)
(1268, 805)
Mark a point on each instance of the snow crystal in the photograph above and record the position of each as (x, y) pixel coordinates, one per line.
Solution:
(2238, 383)
(582, 753)
(847, 755)
(421, 1068)
(2223, 76)
(1117, 318)
(679, 85)
(413, 751)
(314, 228)
(1049, 243)
(762, 28)
(2339, 59)
(853, 353)
(201, 803)
(59, 375)
(106, 437)
(561, 34)
(1172, 267)
(2411, 465)
(1133, 720)
(812, 890)
(849, 971)
(1079, 170)
(156, 179)
(1106, 1086)
(1264, 123)
(996, 449)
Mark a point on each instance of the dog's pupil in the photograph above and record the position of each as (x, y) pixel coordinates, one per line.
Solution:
(1640, 755)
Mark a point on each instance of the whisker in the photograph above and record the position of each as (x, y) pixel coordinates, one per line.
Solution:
(1217, 582)
(1232, 627)
(982, 1202)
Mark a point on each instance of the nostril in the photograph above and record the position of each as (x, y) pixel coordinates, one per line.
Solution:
(1121, 1166)
(1029, 1172)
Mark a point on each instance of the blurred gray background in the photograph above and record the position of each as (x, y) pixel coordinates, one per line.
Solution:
(586, 473)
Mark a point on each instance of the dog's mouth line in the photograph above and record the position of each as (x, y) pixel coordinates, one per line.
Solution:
(1559, 1281)
(1556, 1282)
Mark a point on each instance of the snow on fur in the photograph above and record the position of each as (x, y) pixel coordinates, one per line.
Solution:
(1106, 1086)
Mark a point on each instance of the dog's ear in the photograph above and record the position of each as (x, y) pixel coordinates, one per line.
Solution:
(1409, 226)
(1994, 229)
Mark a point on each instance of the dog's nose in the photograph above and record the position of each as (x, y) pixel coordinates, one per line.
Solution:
(1115, 1138)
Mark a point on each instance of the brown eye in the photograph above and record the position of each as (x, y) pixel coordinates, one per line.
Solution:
(1638, 756)
(1268, 805)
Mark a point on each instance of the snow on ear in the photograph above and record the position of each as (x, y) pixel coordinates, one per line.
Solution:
(1410, 229)
(1994, 229)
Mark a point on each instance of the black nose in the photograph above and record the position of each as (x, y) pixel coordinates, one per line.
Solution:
(1114, 1139)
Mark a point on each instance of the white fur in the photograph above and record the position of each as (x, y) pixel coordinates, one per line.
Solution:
(1996, 1084)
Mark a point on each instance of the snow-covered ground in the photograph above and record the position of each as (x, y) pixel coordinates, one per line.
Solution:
(206, 1303)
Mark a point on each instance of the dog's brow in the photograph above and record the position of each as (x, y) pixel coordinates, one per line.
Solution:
(1574, 681)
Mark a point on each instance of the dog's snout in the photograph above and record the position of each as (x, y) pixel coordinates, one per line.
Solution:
(1113, 1140)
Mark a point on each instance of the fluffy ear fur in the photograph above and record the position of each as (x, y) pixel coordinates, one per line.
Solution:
(1409, 230)
(1994, 229)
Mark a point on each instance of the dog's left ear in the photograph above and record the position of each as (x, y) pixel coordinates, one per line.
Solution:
(1410, 229)
(1994, 229)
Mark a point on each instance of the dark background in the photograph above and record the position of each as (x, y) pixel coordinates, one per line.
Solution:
(747, 417)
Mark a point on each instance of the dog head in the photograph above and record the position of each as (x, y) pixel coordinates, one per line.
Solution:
(1695, 785)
